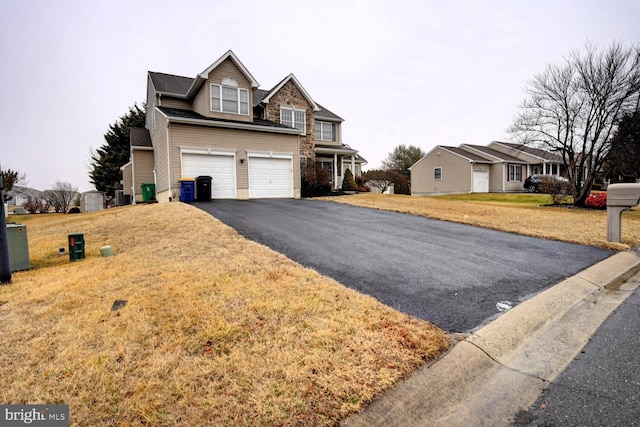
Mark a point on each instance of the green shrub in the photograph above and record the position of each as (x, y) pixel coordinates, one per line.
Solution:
(348, 183)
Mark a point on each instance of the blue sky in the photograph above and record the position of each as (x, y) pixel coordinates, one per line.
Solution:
(398, 72)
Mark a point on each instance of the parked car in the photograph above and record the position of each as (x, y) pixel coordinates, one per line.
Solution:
(532, 183)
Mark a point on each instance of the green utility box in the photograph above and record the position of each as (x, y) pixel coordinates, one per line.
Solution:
(18, 247)
(148, 192)
(76, 246)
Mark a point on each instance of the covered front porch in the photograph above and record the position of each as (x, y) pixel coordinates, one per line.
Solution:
(336, 160)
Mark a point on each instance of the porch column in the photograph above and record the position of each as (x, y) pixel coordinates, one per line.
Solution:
(353, 165)
(335, 170)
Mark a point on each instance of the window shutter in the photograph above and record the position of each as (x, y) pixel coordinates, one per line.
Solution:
(333, 131)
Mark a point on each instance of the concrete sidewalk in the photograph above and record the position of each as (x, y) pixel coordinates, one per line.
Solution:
(498, 372)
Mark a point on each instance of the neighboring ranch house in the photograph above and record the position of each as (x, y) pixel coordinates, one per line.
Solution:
(497, 168)
(253, 143)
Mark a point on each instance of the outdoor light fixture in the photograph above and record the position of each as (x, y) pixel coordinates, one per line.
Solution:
(242, 161)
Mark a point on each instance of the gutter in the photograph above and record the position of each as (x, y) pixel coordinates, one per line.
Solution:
(213, 123)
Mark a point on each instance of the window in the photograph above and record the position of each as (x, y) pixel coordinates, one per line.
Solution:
(325, 131)
(347, 165)
(437, 174)
(229, 98)
(293, 117)
(515, 173)
(328, 166)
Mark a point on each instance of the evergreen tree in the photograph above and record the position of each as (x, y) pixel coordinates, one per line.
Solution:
(106, 161)
(623, 163)
(349, 183)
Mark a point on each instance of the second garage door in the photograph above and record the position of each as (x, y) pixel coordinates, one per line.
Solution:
(270, 177)
(219, 167)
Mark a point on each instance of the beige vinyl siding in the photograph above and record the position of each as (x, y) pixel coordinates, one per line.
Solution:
(231, 140)
(127, 179)
(515, 185)
(496, 174)
(202, 100)
(151, 102)
(183, 104)
(159, 138)
(456, 174)
(142, 169)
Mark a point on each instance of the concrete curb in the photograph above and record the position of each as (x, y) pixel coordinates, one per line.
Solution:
(505, 365)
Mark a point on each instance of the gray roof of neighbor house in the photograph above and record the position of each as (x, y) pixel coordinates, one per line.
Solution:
(140, 137)
(538, 152)
(189, 114)
(467, 154)
(495, 153)
(168, 83)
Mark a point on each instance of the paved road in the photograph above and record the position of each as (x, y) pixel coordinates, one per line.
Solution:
(601, 387)
(450, 274)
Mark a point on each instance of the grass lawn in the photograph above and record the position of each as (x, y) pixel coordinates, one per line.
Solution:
(217, 330)
(521, 213)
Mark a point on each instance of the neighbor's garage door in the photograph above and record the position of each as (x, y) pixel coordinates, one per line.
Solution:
(219, 167)
(480, 181)
(270, 177)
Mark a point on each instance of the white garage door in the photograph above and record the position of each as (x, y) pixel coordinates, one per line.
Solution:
(270, 177)
(219, 167)
(480, 181)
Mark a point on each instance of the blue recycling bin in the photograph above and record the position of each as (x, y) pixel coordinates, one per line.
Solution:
(187, 190)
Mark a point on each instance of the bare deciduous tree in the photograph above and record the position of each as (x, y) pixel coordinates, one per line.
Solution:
(573, 109)
(61, 196)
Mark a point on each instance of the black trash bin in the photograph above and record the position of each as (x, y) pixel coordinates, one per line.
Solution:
(203, 188)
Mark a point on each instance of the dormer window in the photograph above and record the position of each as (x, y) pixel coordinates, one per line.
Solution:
(293, 117)
(229, 98)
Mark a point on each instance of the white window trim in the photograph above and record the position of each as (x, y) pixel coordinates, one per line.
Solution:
(319, 126)
(519, 173)
(434, 174)
(218, 87)
(293, 109)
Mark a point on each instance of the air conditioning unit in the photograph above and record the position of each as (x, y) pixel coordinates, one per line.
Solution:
(18, 247)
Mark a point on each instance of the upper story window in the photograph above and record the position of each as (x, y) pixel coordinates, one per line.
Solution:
(325, 131)
(229, 98)
(293, 117)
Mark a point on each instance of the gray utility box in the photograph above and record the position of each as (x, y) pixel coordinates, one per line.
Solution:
(18, 247)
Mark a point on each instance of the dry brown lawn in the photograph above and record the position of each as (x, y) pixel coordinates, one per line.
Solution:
(217, 330)
(509, 213)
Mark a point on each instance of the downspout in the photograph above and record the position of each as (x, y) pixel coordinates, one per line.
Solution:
(133, 180)
(505, 171)
(168, 161)
(471, 187)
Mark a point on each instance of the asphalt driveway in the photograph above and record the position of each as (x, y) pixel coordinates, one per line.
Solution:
(455, 276)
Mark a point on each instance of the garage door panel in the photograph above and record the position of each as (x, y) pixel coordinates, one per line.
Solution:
(219, 167)
(270, 177)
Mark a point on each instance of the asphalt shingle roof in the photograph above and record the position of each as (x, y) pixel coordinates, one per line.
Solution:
(140, 137)
(189, 114)
(168, 83)
(494, 153)
(538, 152)
(467, 154)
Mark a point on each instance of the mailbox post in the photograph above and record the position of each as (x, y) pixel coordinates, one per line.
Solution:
(620, 197)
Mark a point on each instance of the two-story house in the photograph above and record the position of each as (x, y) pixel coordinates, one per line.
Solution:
(253, 143)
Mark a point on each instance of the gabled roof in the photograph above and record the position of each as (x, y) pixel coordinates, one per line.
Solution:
(322, 114)
(494, 153)
(291, 77)
(536, 152)
(469, 155)
(232, 56)
(140, 137)
(185, 87)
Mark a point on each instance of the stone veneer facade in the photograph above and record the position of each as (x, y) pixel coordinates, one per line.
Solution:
(290, 95)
